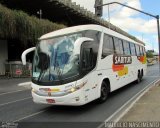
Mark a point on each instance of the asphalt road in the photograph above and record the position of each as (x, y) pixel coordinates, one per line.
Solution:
(18, 106)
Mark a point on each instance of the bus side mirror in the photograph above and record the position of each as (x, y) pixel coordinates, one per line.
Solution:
(78, 44)
(23, 57)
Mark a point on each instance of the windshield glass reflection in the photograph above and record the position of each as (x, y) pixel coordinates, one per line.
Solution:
(55, 59)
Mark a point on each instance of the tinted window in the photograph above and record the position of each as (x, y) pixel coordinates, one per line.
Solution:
(141, 51)
(144, 51)
(90, 49)
(118, 46)
(95, 35)
(121, 46)
(87, 56)
(133, 49)
(126, 48)
(137, 50)
(108, 47)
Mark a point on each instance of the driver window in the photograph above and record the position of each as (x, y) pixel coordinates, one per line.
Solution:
(87, 56)
(108, 47)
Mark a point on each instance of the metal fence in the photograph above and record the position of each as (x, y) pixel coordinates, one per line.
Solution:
(17, 69)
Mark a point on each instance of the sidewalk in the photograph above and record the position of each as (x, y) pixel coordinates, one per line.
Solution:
(147, 108)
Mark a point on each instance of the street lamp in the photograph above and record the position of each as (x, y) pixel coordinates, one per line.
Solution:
(98, 5)
(40, 14)
(98, 8)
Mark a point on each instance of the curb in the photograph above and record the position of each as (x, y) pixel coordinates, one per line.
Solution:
(128, 105)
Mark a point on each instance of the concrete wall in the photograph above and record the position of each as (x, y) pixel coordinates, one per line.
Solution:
(3, 55)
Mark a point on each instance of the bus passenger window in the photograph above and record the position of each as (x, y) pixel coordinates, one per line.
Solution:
(144, 51)
(133, 49)
(141, 51)
(137, 50)
(108, 48)
(126, 48)
(121, 47)
(118, 46)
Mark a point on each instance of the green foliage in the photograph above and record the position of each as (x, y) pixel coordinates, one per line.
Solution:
(149, 54)
(19, 25)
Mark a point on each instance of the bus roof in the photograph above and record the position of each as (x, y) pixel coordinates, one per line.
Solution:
(79, 28)
(69, 30)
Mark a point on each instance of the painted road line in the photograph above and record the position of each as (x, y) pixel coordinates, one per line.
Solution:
(11, 92)
(25, 85)
(152, 76)
(15, 101)
(129, 101)
(31, 115)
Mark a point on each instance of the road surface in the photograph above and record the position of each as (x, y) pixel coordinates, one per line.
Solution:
(17, 106)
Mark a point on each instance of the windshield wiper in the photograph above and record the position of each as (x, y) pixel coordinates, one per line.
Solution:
(57, 67)
(43, 65)
(40, 76)
(59, 73)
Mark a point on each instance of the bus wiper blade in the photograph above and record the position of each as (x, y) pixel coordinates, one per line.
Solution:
(59, 73)
(41, 75)
(57, 67)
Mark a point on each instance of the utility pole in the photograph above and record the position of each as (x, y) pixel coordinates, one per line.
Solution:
(109, 17)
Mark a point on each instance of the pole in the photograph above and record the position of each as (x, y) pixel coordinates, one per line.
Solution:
(40, 13)
(109, 16)
(158, 40)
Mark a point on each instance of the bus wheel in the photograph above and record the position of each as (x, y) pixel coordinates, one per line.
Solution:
(104, 93)
(141, 75)
(139, 78)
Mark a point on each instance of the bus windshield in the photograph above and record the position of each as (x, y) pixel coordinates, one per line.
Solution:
(55, 60)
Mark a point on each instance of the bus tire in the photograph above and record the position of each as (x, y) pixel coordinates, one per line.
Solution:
(104, 92)
(141, 74)
(139, 77)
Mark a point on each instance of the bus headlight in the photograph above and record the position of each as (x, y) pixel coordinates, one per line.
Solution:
(73, 89)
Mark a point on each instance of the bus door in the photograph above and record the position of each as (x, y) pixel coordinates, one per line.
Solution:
(89, 58)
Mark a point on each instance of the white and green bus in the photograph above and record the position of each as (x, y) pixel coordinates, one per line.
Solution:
(76, 65)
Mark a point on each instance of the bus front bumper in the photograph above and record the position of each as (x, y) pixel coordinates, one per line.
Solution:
(72, 99)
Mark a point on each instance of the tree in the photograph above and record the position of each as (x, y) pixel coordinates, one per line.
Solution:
(149, 54)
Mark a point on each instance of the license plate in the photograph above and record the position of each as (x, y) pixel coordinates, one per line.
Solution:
(51, 101)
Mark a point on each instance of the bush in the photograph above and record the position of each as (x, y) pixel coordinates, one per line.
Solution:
(19, 25)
